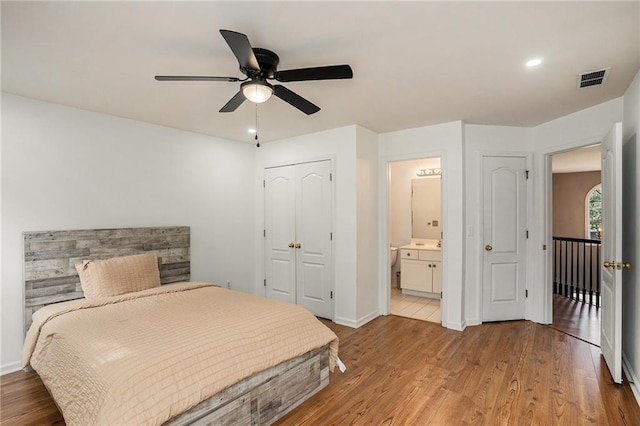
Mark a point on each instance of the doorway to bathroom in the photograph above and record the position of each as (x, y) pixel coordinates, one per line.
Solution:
(415, 236)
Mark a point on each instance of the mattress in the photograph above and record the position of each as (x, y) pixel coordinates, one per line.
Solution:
(145, 357)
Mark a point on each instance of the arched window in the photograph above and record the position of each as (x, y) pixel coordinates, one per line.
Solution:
(593, 213)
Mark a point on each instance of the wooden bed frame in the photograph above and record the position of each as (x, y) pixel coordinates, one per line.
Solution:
(50, 277)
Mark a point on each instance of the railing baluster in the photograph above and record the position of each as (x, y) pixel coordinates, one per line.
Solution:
(584, 273)
(598, 279)
(570, 278)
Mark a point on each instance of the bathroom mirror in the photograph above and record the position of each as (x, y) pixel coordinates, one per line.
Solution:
(426, 210)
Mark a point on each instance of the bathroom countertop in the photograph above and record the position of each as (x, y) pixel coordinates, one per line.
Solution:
(415, 246)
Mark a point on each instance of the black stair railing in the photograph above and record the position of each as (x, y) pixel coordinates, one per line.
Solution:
(576, 269)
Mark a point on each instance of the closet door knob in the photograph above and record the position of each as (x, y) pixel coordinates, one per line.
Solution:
(290, 245)
(298, 245)
(488, 247)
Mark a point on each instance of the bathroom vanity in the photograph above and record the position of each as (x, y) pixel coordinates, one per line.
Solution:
(421, 266)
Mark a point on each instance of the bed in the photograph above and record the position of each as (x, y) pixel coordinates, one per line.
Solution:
(178, 353)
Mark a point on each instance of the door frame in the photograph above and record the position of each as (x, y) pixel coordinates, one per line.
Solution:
(384, 288)
(332, 159)
(529, 222)
(546, 296)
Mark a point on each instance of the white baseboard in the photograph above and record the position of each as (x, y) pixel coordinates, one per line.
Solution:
(632, 378)
(473, 321)
(365, 319)
(457, 326)
(345, 321)
(9, 368)
(359, 322)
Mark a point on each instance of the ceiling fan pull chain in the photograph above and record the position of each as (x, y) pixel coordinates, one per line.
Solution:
(256, 137)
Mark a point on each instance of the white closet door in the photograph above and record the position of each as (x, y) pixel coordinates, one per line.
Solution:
(313, 237)
(504, 231)
(298, 217)
(279, 218)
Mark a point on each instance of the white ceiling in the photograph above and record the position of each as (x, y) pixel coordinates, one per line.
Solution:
(414, 63)
(586, 159)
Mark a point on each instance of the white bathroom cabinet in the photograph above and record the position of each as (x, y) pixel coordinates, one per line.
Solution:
(421, 270)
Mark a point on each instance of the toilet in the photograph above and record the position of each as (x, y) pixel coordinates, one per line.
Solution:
(393, 258)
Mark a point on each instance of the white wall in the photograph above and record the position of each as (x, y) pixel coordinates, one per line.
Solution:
(340, 146)
(64, 168)
(445, 141)
(631, 235)
(367, 224)
(479, 140)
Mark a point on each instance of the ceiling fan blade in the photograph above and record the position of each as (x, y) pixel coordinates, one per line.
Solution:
(332, 72)
(295, 100)
(233, 103)
(194, 78)
(240, 46)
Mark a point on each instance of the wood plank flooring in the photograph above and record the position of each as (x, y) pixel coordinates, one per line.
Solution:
(577, 319)
(406, 371)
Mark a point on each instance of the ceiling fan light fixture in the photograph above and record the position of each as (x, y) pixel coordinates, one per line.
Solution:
(257, 91)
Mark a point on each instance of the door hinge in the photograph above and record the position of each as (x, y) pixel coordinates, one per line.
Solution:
(265, 282)
(526, 173)
(330, 177)
(331, 294)
(526, 293)
(440, 295)
(331, 236)
(544, 247)
(264, 184)
(527, 234)
(264, 232)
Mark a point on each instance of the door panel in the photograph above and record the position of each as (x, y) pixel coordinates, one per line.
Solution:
(279, 216)
(503, 275)
(313, 233)
(611, 323)
(504, 232)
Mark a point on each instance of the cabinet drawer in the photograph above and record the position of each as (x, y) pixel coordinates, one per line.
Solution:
(409, 254)
(430, 255)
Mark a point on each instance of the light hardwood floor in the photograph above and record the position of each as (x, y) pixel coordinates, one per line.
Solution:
(406, 371)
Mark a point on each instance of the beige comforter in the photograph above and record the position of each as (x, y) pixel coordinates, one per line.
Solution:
(145, 357)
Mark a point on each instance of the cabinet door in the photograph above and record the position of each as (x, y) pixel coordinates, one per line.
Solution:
(415, 275)
(436, 270)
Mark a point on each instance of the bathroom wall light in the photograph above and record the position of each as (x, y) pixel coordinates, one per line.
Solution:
(429, 172)
(257, 91)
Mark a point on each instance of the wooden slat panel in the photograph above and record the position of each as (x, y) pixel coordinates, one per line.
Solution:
(50, 258)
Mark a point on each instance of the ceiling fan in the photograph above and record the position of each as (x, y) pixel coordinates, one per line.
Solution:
(260, 65)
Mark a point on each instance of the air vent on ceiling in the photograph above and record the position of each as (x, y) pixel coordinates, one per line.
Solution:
(593, 78)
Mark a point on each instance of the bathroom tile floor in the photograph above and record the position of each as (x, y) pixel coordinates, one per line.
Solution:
(421, 308)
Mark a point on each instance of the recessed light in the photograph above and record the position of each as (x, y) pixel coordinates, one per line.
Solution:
(534, 62)
(251, 130)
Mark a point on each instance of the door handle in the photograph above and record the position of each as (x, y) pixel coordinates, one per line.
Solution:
(290, 245)
(617, 265)
(488, 247)
(298, 245)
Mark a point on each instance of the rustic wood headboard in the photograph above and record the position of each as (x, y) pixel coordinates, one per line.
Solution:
(50, 256)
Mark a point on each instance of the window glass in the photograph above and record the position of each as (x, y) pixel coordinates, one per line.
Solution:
(594, 213)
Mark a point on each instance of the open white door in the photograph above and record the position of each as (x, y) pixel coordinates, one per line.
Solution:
(611, 315)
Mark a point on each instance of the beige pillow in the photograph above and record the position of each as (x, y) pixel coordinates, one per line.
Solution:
(118, 275)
